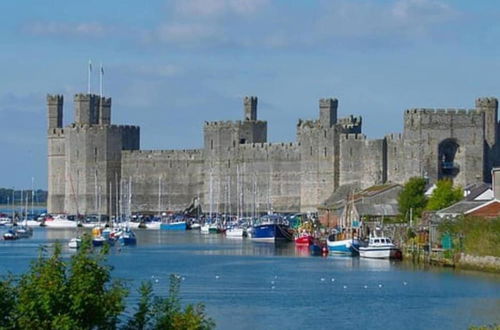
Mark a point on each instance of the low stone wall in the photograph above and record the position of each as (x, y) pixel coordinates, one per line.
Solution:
(488, 263)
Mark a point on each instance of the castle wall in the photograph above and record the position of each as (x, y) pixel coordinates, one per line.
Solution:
(425, 129)
(318, 147)
(362, 161)
(164, 179)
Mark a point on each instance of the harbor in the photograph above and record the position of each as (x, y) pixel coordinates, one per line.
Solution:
(256, 285)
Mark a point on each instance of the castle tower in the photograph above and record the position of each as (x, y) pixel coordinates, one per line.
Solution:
(86, 109)
(250, 105)
(489, 105)
(105, 111)
(56, 154)
(328, 112)
(55, 110)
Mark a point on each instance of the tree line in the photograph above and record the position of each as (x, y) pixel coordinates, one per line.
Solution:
(19, 196)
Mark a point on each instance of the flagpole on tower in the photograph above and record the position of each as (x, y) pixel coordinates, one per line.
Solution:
(88, 77)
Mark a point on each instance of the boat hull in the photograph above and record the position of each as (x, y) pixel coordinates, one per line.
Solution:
(346, 246)
(180, 225)
(389, 252)
(270, 233)
(304, 240)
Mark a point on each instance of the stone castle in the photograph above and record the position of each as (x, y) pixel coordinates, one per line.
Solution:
(237, 170)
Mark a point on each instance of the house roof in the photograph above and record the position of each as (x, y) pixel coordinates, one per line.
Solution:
(490, 209)
(379, 200)
(478, 191)
(459, 208)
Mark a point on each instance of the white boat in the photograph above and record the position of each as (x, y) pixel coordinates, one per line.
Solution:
(205, 229)
(380, 247)
(235, 232)
(195, 226)
(60, 221)
(74, 243)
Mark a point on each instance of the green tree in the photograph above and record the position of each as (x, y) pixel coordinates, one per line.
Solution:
(53, 294)
(444, 195)
(412, 197)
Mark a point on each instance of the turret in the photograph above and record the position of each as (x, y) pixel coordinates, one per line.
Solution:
(105, 111)
(86, 109)
(328, 112)
(250, 105)
(55, 110)
(489, 105)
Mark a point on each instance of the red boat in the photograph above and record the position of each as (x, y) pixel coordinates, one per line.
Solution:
(304, 239)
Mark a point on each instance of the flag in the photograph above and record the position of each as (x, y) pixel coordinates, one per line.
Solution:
(90, 66)
(102, 70)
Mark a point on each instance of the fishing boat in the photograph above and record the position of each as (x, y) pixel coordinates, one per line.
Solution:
(380, 247)
(304, 239)
(271, 228)
(343, 239)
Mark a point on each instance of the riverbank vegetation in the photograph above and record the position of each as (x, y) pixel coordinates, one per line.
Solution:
(473, 235)
(81, 294)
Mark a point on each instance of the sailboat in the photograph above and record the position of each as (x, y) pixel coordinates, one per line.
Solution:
(23, 231)
(127, 236)
(344, 240)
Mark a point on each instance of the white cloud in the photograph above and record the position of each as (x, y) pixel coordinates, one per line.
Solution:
(213, 8)
(87, 29)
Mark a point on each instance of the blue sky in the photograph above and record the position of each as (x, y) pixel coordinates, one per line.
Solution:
(172, 64)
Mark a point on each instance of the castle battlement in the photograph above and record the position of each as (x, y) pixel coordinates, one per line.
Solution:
(450, 111)
(56, 132)
(54, 98)
(267, 146)
(350, 121)
(394, 137)
(231, 123)
(353, 136)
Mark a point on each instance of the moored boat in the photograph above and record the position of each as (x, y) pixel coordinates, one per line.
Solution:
(127, 237)
(235, 232)
(304, 239)
(10, 235)
(380, 247)
(74, 243)
(271, 228)
(336, 244)
(174, 225)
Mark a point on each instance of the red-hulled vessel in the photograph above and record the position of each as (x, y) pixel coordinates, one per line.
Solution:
(304, 239)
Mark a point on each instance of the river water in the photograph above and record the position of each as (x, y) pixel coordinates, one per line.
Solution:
(248, 285)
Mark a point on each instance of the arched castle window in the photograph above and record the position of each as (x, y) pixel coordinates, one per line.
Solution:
(311, 151)
(350, 151)
(212, 144)
(95, 154)
(325, 133)
(325, 151)
(228, 163)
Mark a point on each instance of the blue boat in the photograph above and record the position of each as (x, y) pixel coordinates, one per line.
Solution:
(342, 246)
(270, 229)
(127, 237)
(175, 225)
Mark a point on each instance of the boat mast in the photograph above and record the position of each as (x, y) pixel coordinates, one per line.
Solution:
(32, 196)
(159, 196)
